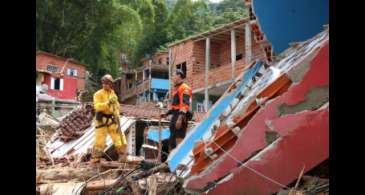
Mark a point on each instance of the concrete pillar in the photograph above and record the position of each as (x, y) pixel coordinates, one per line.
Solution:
(206, 73)
(233, 52)
(149, 79)
(150, 69)
(248, 43)
(144, 74)
(53, 109)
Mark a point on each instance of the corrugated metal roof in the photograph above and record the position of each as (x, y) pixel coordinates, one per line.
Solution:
(59, 149)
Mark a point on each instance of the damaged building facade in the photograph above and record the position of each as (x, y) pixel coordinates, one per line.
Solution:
(148, 83)
(63, 77)
(58, 83)
(211, 60)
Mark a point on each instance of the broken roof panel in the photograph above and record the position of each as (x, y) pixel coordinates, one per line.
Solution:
(300, 117)
(59, 149)
(247, 141)
(181, 154)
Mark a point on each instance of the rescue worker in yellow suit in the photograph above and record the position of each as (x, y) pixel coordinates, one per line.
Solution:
(107, 121)
(181, 114)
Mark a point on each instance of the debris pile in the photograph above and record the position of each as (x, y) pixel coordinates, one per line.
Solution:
(47, 121)
(74, 124)
(132, 177)
(42, 155)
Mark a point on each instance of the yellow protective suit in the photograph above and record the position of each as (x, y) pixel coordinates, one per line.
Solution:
(101, 104)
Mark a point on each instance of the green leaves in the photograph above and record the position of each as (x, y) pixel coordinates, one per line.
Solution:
(96, 32)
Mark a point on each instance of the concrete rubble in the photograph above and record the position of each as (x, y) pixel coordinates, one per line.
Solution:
(63, 164)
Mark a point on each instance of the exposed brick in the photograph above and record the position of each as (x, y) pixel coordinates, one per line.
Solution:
(220, 70)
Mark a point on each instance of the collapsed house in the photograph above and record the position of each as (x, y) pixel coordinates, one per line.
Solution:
(272, 122)
(77, 137)
(62, 162)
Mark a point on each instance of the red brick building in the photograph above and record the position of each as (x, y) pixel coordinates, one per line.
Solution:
(148, 83)
(64, 77)
(211, 59)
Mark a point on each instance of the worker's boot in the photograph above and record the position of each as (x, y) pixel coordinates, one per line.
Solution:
(95, 158)
(122, 155)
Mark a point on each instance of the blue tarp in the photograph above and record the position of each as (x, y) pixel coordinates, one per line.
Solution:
(160, 84)
(286, 21)
(153, 134)
(197, 133)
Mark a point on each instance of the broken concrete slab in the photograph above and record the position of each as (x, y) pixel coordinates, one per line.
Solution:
(282, 162)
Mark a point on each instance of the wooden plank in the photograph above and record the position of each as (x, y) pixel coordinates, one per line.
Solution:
(99, 184)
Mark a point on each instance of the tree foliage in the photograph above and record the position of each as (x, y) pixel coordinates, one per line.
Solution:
(96, 32)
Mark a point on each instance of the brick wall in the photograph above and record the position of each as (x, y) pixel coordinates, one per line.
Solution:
(162, 56)
(199, 56)
(145, 62)
(183, 53)
(135, 90)
(193, 53)
(156, 58)
(220, 69)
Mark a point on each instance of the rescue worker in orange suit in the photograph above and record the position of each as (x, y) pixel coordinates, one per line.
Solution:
(180, 111)
(107, 118)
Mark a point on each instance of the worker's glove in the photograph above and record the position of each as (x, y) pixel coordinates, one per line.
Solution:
(113, 100)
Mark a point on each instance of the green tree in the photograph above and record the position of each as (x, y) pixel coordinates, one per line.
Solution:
(96, 31)
(90, 31)
(188, 17)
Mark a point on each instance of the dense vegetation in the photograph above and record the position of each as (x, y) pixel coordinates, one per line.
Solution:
(95, 32)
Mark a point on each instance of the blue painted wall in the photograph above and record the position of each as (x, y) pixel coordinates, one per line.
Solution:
(160, 84)
(153, 134)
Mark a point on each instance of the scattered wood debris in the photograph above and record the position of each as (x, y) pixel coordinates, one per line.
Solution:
(309, 185)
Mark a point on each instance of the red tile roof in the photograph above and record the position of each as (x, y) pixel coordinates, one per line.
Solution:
(148, 111)
(59, 57)
(144, 112)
